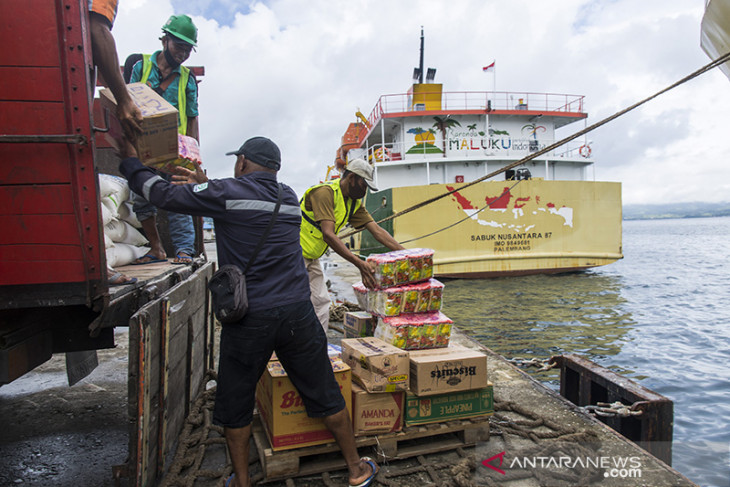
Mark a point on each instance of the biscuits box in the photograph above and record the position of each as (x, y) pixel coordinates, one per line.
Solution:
(376, 365)
(282, 410)
(452, 369)
(358, 324)
(158, 141)
(376, 413)
(449, 406)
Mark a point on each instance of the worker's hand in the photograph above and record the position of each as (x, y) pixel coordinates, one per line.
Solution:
(131, 118)
(186, 176)
(127, 148)
(367, 272)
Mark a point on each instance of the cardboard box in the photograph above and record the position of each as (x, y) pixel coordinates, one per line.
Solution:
(282, 410)
(158, 141)
(376, 413)
(414, 331)
(452, 369)
(188, 156)
(358, 324)
(376, 365)
(450, 406)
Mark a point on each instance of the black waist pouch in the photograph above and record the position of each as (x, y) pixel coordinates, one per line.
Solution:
(228, 290)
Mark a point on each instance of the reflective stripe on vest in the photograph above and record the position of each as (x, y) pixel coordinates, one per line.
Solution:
(310, 234)
(182, 125)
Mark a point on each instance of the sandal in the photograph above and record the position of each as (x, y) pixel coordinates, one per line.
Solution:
(368, 481)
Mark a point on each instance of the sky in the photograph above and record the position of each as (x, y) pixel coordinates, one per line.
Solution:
(297, 71)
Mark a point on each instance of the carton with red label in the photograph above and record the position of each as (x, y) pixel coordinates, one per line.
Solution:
(282, 410)
(376, 413)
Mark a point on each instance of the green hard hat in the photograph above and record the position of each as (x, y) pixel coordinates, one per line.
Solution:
(182, 27)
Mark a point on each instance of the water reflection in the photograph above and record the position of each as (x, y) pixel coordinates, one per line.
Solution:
(543, 315)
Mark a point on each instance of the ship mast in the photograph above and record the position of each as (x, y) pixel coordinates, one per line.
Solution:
(420, 66)
(418, 72)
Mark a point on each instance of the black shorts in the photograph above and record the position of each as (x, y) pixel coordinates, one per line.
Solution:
(294, 332)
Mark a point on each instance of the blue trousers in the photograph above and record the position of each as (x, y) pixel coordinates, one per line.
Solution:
(182, 231)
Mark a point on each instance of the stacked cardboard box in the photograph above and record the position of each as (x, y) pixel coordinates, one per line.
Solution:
(381, 374)
(159, 145)
(282, 411)
(407, 301)
(449, 406)
(447, 384)
(358, 324)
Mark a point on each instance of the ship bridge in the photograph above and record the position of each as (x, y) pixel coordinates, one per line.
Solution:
(430, 136)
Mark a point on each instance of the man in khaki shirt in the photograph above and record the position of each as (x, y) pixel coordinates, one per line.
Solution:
(326, 208)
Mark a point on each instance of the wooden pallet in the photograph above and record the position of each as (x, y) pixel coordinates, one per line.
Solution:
(412, 441)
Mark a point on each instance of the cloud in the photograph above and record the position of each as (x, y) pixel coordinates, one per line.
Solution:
(296, 72)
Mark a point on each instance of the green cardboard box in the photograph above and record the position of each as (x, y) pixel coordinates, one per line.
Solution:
(449, 406)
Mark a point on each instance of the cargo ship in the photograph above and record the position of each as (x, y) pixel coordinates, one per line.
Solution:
(548, 215)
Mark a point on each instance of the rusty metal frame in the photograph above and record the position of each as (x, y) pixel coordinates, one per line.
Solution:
(585, 383)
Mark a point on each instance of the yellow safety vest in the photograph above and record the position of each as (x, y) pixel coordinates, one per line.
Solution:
(310, 233)
(182, 126)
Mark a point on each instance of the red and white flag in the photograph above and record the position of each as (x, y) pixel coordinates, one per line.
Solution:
(489, 68)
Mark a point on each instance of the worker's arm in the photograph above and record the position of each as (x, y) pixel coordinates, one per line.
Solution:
(383, 236)
(192, 129)
(330, 238)
(104, 50)
(207, 199)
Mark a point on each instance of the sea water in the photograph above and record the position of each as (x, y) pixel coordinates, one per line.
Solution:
(660, 316)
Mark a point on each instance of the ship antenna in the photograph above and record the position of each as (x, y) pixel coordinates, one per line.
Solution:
(420, 66)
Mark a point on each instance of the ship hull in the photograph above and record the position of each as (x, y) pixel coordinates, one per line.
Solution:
(505, 228)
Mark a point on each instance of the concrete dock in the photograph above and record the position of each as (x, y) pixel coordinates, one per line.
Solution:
(536, 438)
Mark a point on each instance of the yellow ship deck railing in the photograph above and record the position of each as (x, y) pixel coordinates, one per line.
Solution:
(456, 101)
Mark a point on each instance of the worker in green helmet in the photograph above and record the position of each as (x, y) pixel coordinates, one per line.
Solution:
(163, 72)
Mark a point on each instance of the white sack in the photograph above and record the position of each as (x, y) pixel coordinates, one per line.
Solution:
(124, 254)
(106, 215)
(127, 214)
(115, 185)
(123, 232)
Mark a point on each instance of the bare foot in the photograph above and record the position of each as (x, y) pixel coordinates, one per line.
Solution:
(367, 469)
(182, 258)
(119, 279)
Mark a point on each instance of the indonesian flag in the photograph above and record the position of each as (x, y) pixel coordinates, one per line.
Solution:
(489, 68)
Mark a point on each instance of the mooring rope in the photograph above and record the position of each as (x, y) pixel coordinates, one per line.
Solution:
(553, 146)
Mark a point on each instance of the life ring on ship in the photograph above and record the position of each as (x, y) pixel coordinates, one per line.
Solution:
(380, 154)
(585, 151)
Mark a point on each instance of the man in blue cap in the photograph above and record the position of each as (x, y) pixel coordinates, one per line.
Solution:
(280, 317)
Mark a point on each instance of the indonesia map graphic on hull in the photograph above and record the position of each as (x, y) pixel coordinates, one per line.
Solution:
(503, 203)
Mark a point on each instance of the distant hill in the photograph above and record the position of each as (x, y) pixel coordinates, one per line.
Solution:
(676, 210)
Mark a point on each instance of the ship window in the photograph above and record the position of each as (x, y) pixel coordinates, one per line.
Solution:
(420, 107)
